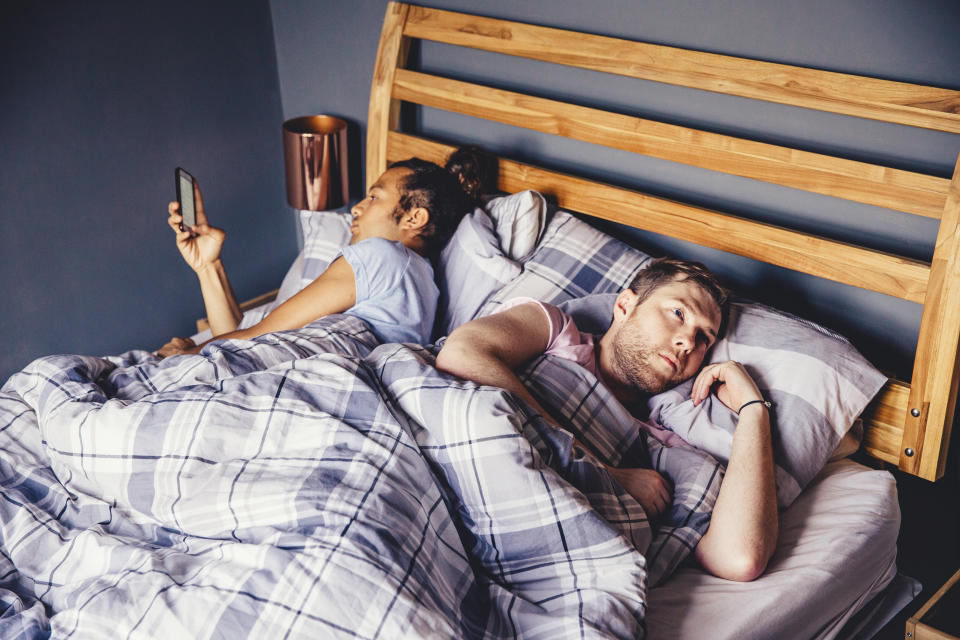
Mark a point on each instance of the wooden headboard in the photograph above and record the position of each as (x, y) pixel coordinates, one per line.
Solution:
(909, 423)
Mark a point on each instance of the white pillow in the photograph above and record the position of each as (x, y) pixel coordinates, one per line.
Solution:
(480, 257)
(519, 219)
(324, 233)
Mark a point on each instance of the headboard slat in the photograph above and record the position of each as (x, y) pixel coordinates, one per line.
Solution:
(889, 101)
(914, 193)
(384, 110)
(874, 270)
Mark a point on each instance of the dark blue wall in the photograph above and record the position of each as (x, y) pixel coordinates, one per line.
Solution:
(100, 101)
(898, 40)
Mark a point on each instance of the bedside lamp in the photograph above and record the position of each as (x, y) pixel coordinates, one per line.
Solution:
(315, 162)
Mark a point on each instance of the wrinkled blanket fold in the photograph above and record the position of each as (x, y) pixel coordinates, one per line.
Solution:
(314, 483)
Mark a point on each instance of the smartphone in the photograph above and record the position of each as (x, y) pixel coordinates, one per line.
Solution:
(188, 208)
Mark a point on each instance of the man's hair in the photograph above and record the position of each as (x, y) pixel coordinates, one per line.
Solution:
(664, 271)
(446, 193)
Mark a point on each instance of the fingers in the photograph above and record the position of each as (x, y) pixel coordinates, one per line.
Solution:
(174, 218)
(649, 488)
(175, 346)
(664, 493)
(659, 497)
(704, 382)
(201, 215)
(731, 381)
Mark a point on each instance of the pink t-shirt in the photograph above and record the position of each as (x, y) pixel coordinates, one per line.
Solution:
(567, 341)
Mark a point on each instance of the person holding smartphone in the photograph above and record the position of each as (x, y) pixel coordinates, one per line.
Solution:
(200, 246)
(383, 276)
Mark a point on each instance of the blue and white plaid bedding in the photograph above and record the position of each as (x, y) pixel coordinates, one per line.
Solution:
(315, 484)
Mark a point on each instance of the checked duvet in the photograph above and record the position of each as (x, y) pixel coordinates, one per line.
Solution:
(317, 484)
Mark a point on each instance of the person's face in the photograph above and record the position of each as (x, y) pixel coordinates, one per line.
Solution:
(663, 340)
(375, 215)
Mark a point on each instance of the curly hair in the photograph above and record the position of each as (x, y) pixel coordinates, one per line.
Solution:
(447, 193)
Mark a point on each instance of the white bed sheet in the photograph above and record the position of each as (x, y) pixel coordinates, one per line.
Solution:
(836, 551)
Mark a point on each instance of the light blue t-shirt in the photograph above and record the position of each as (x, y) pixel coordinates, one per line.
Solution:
(396, 293)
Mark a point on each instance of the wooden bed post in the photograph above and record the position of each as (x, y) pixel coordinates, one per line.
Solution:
(933, 389)
(384, 114)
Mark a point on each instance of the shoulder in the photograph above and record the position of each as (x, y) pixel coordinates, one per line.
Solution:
(555, 317)
(373, 246)
(380, 252)
(390, 249)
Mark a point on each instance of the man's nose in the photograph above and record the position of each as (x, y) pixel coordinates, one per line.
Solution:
(685, 340)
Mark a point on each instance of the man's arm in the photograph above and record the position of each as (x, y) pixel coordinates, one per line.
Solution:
(743, 529)
(488, 350)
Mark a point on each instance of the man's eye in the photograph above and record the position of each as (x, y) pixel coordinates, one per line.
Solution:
(678, 313)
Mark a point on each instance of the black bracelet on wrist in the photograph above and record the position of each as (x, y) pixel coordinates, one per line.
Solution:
(765, 403)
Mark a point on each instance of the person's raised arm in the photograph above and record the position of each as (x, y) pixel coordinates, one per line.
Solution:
(742, 535)
(200, 247)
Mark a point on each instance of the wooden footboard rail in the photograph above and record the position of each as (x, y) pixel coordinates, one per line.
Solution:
(908, 424)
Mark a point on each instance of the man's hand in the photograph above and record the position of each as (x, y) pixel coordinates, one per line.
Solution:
(732, 383)
(650, 489)
(199, 245)
(177, 346)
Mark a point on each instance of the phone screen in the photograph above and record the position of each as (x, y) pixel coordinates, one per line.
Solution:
(185, 198)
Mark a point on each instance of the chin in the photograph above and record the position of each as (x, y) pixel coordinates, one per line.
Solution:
(650, 387)
(653, 390)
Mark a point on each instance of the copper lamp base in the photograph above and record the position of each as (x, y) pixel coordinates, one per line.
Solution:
(315, 161)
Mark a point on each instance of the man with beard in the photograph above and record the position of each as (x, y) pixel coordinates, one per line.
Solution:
(663, 325)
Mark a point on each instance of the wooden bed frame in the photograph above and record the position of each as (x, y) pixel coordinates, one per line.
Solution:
(909, 423)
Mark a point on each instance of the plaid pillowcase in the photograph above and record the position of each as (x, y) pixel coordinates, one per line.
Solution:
(572, 260)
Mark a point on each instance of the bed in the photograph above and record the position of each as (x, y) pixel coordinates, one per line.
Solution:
(317, 483)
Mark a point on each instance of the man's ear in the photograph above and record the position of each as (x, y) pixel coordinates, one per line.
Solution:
(415, 219)
(623, 305)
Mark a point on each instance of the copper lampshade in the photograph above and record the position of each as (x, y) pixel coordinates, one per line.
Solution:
(315, 161)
